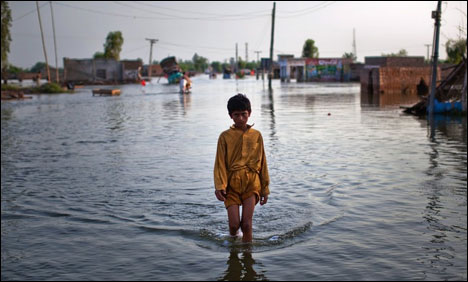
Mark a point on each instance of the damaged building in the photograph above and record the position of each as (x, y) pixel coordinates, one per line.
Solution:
(100, 71)
(392, 81)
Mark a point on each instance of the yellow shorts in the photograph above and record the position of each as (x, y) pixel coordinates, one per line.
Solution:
(243, 184)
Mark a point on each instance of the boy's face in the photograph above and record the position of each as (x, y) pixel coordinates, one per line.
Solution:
(240, 118)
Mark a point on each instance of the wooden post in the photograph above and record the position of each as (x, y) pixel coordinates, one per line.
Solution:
(43, 42)
(55, 45)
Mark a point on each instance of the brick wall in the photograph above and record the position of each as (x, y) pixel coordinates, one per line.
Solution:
(391, 86)
(395, 61)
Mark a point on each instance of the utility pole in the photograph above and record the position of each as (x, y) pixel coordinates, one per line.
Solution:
(258, 59)
(237, 63)
(55, 44)
(152, 41)
(270, 72)
(43, 42)
(246, 52)
(427, 46)
(258, 55)
(435, 15)
(354, 44)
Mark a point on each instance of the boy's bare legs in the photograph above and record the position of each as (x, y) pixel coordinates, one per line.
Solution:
(234, 219)
(248, 207)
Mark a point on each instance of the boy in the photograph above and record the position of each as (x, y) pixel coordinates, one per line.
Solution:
(240, 171)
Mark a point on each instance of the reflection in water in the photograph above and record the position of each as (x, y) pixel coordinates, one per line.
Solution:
(268, 106)
(453, 127)
(438, 189)
(116, 116)
(241, 269)
(185, 100)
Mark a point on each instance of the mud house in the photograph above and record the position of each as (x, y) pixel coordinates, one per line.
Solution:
(390, 81)
(100, 71)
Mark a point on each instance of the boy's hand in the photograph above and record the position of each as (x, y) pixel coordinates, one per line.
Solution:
(221, 195)
(263, 200)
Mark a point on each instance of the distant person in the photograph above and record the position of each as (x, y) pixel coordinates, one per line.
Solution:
(422, 88)
(240, 170)
(185, 83)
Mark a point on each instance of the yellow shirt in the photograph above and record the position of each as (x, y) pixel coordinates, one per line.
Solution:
(240, 150)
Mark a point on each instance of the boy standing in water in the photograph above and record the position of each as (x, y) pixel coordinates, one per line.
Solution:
(240, 171)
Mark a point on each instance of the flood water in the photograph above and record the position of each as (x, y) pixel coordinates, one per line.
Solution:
(121, 188)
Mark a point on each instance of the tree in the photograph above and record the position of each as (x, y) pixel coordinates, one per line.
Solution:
(99, 55)
(217, 67)
(401, 53)
(456, 50)
(38, 67)
(113, 45)
(199, 63)
(349, 56)
(310, 50)
(6, 36)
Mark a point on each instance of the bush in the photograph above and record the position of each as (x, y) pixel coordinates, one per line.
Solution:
(10, 87)
(50, 88)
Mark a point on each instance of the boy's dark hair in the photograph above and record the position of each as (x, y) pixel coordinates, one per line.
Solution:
(239, 102)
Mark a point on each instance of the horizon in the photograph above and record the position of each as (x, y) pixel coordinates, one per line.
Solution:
(212, 29)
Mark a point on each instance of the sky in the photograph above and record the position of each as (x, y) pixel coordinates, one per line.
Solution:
(211, 29)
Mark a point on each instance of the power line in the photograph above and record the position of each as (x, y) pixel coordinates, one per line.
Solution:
(167, 16)
(28, 13)
(201, 13)
(309, 10)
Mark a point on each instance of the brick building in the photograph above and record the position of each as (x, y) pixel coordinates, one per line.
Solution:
(390, 81)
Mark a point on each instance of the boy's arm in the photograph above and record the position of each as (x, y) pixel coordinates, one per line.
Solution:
(220, 170)
(264, 176)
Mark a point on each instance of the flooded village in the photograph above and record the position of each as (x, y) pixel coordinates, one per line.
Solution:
(107, 161)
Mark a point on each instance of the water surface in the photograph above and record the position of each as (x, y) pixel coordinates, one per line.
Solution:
(121, 188)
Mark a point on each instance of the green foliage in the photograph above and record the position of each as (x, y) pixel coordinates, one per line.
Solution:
(186, 65)
(113, 45)
(455, 49)
(309, 50)
(349, 56)
(38, 67)
(217, 66)
(50, 88)
(6, 36)
(10, 87)
(99, 55)
(401, 53)
(15, 70)
(199, 63)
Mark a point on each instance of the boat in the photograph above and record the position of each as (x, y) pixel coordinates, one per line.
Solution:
(171, 69)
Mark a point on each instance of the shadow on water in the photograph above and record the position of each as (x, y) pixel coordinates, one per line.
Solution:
(241, 266)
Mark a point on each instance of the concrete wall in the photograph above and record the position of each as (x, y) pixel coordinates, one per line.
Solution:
(107, 70)
(78, 70)
(100, 70)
